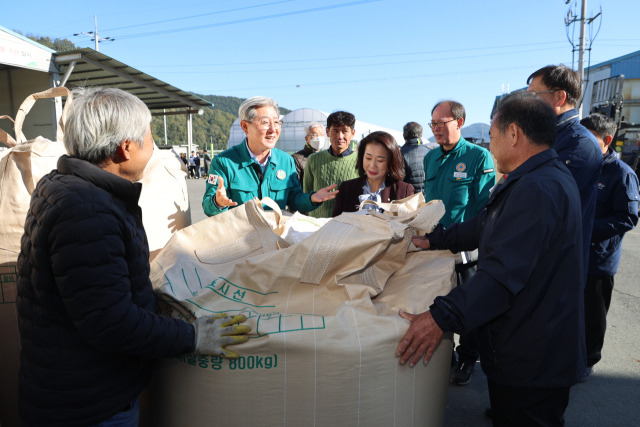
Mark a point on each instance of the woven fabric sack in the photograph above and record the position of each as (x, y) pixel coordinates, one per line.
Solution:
(324, 322)
(21, 167)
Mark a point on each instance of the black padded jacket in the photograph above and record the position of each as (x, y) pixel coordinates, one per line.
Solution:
(413, 152)
(87, 313)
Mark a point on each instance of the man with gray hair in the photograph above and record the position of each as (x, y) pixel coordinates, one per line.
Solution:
(255, 168)
(87, 314)
(314, 141)
(413, 152)
(525, 302)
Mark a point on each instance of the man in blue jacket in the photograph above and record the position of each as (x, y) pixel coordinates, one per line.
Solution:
(525, 301)
(561, 88)
(616, 213)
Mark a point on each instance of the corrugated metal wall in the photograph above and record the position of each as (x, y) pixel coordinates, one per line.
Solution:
(629, 66)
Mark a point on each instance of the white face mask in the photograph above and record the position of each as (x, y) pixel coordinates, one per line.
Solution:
(317, 143)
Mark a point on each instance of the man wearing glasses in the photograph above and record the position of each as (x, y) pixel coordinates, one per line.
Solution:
(461, 174)
(525, 303)
(255, 168)
(458, 172)
(561, 87)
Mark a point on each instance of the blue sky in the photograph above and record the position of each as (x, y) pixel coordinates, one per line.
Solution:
(386, 61)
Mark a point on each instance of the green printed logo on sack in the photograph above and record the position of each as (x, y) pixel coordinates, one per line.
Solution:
(8, 282)
(218, 363)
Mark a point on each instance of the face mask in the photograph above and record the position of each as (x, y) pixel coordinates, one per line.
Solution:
(317, 143)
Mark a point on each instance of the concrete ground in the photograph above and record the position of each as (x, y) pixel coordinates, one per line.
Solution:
(610, 397)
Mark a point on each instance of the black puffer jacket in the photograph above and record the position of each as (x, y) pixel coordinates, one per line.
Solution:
(300, 159)
(413, 152)
(86, 307)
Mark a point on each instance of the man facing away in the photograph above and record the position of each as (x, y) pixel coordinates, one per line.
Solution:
(314, 141)
(413, 152)
(461, 174)
(206, 158)
(525, 301)
(335, 165)
(616, 213)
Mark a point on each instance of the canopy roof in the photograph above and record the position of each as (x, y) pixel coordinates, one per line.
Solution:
(87, 67)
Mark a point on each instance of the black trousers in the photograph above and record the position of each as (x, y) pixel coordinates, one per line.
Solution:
(597, 299)
(527, 407)
(467, 348)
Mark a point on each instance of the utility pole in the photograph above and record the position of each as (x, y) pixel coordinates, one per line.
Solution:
(581, 47)
(571, 19)
(164, 116)
(95, 36)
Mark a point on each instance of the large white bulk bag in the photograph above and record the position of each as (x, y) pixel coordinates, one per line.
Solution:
(324, 318)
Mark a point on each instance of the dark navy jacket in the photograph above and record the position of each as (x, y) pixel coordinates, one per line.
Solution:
(616, 213)
(413, 152)
(578, 149)
(86, 308)
(526, 300)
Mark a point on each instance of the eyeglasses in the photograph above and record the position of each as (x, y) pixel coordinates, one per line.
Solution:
(440, 125)
(545, 91)
(266, 124)
(314, 135)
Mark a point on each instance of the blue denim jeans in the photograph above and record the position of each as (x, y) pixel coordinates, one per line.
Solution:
(127, 418)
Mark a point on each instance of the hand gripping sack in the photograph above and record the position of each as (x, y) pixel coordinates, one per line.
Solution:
(21, 167)
(324, 322)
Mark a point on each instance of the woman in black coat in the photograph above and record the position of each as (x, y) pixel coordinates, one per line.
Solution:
(381, 168)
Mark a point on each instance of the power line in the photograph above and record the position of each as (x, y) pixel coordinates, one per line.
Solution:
(200, 15)
(342, 66)
(377, 79)
(384, 55)
(245, 20)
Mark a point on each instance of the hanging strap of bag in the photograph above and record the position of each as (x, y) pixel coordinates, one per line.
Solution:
(5, 138)
(27, 104)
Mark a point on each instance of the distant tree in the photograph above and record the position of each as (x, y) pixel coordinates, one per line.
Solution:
(211, 127)
(230, 104)
(59, 45)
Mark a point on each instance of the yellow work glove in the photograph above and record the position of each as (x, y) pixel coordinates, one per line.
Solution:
(213, 334)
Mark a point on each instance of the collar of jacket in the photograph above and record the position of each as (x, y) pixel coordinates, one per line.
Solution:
(609, 157)
(388, 181)
(308, 149)
(345, 153)
(245, 157)
(455, 150)
(567, 118)
(530, 164)
(122, 188)
(414, 141)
